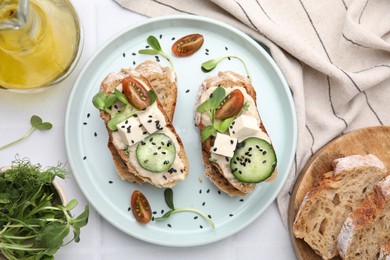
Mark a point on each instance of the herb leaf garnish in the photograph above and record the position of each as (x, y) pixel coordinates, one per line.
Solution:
(168, 195)
(209, 65)
(36, 124)
(209, 106)
(156, 49)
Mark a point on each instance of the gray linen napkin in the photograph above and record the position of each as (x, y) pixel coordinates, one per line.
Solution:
(335, 55)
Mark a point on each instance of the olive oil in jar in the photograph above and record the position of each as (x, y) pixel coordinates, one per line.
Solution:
(42, 49)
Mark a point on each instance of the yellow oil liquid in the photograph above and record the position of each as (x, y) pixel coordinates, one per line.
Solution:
(43, 50)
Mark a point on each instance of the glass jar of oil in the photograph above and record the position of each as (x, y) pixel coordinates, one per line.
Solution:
(40, 42)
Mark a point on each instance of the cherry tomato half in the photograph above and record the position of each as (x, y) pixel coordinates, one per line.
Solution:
(136, 93)
(187, 45)
(230, 105)
(140, 207)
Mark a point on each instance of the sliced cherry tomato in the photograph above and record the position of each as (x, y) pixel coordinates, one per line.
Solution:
(140, 207)
(230, 105)
(136, 93)
(187, 45)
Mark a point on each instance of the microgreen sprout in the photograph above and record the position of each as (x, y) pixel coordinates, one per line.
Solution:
(209, 107)
(155, 49)
(168, 195)
(36, 124)
(209, 65)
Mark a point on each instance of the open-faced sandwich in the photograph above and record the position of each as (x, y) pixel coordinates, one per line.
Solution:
(237, 151)
(137, 106)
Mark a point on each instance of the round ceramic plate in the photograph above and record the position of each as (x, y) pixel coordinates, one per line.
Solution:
(91, 162)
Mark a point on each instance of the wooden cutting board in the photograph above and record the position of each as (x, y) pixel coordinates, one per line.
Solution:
(374, 140)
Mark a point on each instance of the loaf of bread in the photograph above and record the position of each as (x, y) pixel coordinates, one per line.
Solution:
(367, 227)
(325, 207)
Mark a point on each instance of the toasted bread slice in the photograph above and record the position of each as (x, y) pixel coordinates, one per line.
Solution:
(226, 182)
(326, 206)
(163, 82)
(367, 228)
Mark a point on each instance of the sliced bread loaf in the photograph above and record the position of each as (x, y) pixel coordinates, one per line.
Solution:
(367, 228)
(325, 207)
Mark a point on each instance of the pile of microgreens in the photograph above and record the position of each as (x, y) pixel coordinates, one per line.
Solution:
(33, 222)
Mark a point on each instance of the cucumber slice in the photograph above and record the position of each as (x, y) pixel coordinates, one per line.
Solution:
(156, 153)
(253, 161)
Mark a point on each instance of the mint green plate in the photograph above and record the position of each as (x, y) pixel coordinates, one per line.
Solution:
(91, 162)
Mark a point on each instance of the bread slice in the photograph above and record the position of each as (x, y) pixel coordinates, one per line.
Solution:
(368, 226)
(163, 82)
(213, 171)
(384, 253)
(326, 206)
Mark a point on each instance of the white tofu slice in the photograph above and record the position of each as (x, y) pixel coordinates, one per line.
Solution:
(243, 127)
(224, 145)
(152, 119)
(132, 131)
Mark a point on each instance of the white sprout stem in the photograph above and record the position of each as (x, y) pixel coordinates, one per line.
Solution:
(19, 139)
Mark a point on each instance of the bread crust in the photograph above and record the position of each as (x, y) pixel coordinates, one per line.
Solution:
(368, 226)
(326, 206)
(212, 170)
(163, 83)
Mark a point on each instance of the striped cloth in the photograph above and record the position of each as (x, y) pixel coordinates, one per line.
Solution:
(334, 54)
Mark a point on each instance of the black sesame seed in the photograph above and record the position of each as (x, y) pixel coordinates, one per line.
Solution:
(145, 161)
(169, 225)
(204, 203)
(154, 212)
(264, 161)
(219, 192)
(110, 182)
(129, 208)
(134, 62)
(209, 216)
(124, 55)
(229, 58)
(84, 123)
(187, 90)
(160, 36)
(200, 226)
(207, 53)
(215, 149)
(88, 115)
(147, 46)
(231, 142)
(145, 133)
(163, 152)
(85, 157)
(140, 125)
(153, 143)
(152, 218)
(230, 215)
(150, 121)
(133, 54)
(173, 38)
(159, 148)
(200, 191)
(241, 200)
(265, 152)
(196, 217)
(155, 153)
(226, 48)
(143, 143)
(95, 134)
(165, 162)
(207, 50)
(162, 211)
(165, 177)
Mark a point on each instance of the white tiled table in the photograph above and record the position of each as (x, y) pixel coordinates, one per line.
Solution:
(265, 238)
